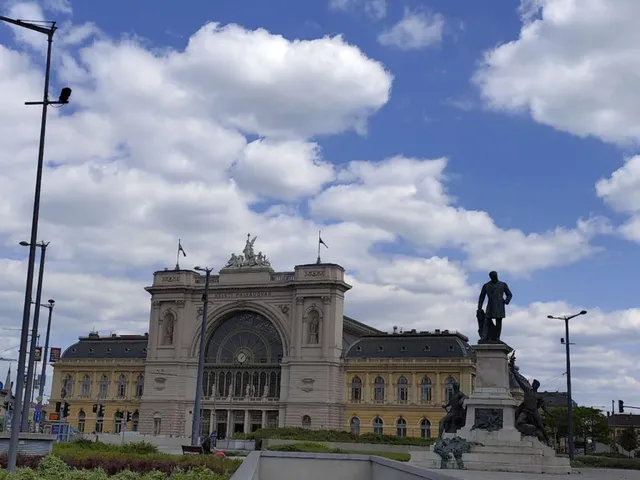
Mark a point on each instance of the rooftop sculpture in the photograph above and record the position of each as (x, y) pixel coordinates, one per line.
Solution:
(248, 259)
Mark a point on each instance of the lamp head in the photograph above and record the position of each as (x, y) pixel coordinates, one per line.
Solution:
(51, 302)
(550, 316)
(200, 269)
(25, 244)
(583, 312)
(65, 93)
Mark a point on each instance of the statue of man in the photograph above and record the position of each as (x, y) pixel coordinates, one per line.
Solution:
(456, 416)
(498, 295)
(527, 417)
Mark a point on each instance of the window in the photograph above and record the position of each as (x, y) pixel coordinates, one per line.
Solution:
(104, 386)
(448, 388)
(380, 348)
(403, 348)
(359, 348)
(67, 386)
(354, 425)
(157, 424)
(356, 390)
(81, 421)
(403, 390)
(425, 428)
(378, 426)
(135, 421)
(306, 421)
(426, 392)
(139, 386)
(401, 427)
(117, 422)
(122, 386)
(86, 386)
(378, 390)
(426, 348)
(99, 424)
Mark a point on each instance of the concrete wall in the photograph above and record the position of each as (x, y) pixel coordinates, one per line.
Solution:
(320, 466)
(29, 443)
(360, 447)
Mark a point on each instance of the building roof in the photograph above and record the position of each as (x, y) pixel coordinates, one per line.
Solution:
(556, 399)
(112, 346)
(413, 344)
(623, 420)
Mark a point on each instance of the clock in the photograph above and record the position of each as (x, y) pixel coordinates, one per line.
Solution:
(242, 357)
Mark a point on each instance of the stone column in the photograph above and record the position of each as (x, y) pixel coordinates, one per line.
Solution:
(366, 394)
(229, 423)
(246, 421)
(413, 393)
(212, 422)
(281, 417)
(437, 393)
(264, 419)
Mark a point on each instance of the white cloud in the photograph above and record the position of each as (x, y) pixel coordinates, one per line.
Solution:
(574, 67)
(376, 9)
(415, 31)
(154, 148)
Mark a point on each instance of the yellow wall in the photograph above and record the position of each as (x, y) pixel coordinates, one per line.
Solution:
(131, 368)
(414, 370)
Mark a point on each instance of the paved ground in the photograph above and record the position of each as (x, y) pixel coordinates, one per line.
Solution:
(578, 474)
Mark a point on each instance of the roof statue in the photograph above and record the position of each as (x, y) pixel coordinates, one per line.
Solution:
(248, 258)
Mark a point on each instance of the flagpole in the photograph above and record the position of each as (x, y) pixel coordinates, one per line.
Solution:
(178, 256)
(318, 261)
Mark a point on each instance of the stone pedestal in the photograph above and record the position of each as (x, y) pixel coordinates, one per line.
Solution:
(490, 425)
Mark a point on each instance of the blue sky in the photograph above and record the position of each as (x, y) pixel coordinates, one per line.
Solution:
(526, 148)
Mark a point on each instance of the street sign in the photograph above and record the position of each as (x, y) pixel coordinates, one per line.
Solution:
(37, 416)
(38, 354)
(54, 354)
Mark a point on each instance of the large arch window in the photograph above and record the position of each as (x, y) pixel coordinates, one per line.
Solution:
(425, 428)
(104, 386)
(426, 390)
(378, 426)
(86, 386)
(306, 421)
(401, 427)
(122, 386)
(448, 388)
(356, 390)
(81, 420)
(139, 386)
(378, 390)
(403, 390)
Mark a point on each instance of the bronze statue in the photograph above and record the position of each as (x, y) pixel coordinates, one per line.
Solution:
(528, 420)
(498, 295)
(456, 416)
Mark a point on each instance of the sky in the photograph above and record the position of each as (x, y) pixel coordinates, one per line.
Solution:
(430, 141)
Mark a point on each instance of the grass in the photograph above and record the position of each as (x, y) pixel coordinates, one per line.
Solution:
(602, 461)
(311, 447)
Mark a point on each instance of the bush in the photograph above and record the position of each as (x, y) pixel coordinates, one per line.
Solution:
(53, 468)
(140, 448)
(324, 448)
(293, 433)
(602, 461)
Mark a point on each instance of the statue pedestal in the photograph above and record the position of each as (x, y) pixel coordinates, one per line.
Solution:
(495, 444)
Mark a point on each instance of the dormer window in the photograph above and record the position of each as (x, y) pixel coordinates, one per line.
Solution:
(127, 350)
(403, 348)
(91, 350)
(359, 348)
(451, 348)
(108, 350)
(380, 348)
(426, 348)
(74, 350)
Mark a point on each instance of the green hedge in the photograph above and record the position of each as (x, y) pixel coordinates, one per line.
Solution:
(53, 468)
(334, 436)
(323, 448)
(137, 448)
(601, 461)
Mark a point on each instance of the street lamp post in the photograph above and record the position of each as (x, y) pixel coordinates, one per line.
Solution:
(566, 319)
(26, 312)
(43, 375)
(34, 335)
(195, 426)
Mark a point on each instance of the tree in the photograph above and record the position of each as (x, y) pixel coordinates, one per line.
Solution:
(588, 424)
(628, 439)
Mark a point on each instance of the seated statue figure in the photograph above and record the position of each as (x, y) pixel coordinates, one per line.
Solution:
(456, 416)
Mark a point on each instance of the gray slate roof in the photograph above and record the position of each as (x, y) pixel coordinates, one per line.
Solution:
(412, 345)
(113, 346)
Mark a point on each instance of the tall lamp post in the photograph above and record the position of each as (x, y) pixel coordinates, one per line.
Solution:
(26, 312)
(43, 374)
(567, 344)
(195, 426)
(34, 335)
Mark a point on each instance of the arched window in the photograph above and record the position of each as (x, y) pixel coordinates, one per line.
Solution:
(306, 421)
(448, 388)
(378, 426)
(135, 421)
(403, 390)
(157, 423)
(139, 386)
(67, 386)
(426, 391)
(104, 386)
(117, 422)
(378, 390)
(122, 386)
(425, 428)
(354, 425)
(86, 386)
(81, 420)
(356, 390)
(401, 427)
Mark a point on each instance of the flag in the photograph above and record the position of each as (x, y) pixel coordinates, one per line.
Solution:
(322, 242)
(180, 249)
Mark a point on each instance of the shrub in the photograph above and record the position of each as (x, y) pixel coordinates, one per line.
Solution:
(141, 448)
(294, 433)
(601, 461)
(311, 447)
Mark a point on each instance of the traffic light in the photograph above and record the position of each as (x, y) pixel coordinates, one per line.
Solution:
(65, 410)
(95, 408)
(128, 417)
(620, 406)
(58, 406)
(101, 410)
(8, 405)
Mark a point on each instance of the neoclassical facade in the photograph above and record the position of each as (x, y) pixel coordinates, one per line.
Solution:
(279, 351)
